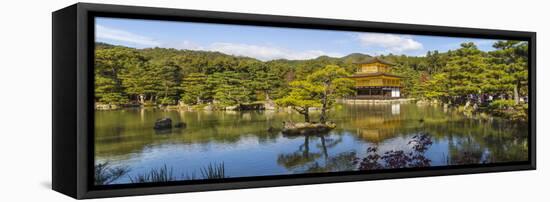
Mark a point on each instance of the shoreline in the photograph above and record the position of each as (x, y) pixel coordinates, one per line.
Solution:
(258, 106)
(379, 101)
(511, 114)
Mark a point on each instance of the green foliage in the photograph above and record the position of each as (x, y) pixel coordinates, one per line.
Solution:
(332, 83)
(502, 104)
(195, 89)
(169, 76)
(464, 68)
(302, 96)
(319, 89)
(435, 61)
(511, 59)
(470, 71)
(460, 76)
(265, 80)
(432, 89)
(509, 109)
(411, 81)
(107, 90)
(230, 88)
(110, 65)
(139, 82)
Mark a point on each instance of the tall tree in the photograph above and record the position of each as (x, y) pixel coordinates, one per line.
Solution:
(319, 89)
(139, 82)
(436, 87)
(110, 64)
(464, 70)
(230, 88)
(167, 76)
(333, 83)
(265, 81)
(410, 85)
(512, 58)
(435, 61)
(195, 89)
(303, 95)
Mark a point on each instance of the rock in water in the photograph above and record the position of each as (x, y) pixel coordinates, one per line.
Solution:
(180, 125)
(270, 129)
(163, 124)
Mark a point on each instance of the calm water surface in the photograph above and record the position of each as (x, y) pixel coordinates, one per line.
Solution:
(241, 141)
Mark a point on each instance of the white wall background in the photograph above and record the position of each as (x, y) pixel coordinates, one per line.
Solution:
(25, 99)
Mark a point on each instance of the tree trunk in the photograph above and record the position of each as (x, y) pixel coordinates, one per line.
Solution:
(306, 114)
(516, 92)
(323, 117)
(324, 146)
(306, 146)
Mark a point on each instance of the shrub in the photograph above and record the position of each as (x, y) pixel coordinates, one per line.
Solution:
(213, 171)
(105, 174)
(162, 174)
(502, 104)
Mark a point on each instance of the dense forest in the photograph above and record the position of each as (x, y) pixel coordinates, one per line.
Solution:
(495, 81)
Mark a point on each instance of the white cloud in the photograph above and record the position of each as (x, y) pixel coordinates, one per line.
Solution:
(484, 44)
(390, 42)
(184, 45)
(261, 52)
(107, 33)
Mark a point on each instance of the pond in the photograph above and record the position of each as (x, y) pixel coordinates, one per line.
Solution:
(367, 137)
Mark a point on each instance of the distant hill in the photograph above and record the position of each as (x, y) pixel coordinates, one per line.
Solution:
(101, 45)
(355, 57)
(348, 59)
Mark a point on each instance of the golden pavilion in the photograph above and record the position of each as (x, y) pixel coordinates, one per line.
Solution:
(373, 80)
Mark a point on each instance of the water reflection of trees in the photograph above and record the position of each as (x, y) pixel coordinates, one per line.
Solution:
(306, 159)
(465, 151)
(397, 158)
(298, 158)
(472, 140)
(126, 132)
(119, 134)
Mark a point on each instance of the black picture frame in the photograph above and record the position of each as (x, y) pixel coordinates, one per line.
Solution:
(73, 110)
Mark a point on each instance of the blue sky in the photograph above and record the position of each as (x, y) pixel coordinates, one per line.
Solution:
(268, 43)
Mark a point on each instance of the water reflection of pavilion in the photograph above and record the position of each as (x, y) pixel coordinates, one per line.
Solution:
(378, 129)
(384, 125)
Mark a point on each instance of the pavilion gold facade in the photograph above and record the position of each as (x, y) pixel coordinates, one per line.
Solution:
(373, 80)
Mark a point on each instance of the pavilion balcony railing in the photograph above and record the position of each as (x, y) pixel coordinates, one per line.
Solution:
(372, 97)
